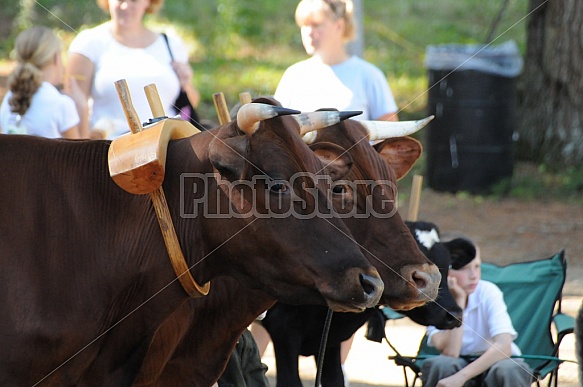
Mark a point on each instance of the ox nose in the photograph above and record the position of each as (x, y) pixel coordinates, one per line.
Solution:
(373, 288)
(426, 280)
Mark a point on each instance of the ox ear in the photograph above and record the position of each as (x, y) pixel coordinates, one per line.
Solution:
(228, 156)
(336, 160)
(400, 152)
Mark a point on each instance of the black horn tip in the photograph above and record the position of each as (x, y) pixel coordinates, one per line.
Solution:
(347, 114)
(281, 111)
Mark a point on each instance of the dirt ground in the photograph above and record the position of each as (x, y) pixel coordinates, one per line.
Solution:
(507, 230)
(511, 230)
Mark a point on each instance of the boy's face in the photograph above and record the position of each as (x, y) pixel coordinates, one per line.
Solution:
(469, 275)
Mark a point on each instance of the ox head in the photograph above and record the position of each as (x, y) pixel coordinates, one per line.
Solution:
(444, 312)
(282, 234)
(366, 200)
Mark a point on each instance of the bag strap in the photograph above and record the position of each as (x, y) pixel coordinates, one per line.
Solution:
(168, 45)
(192, 116)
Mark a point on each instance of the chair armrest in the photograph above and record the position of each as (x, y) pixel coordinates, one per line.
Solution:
(565, 324)
(413, 362)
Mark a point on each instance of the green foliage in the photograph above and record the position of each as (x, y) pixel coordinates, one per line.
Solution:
(532, 182)
(529, 182)
(8, 17)
(68, 17)
(58, 14)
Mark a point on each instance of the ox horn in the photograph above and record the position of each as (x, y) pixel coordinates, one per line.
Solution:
(381, 130)
(311, 122)
(251, 114)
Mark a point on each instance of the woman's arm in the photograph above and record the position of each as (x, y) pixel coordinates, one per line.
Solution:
(71, 133)
(78, 80)
(184, 73)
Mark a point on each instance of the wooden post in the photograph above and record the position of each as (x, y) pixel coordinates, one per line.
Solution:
(221, 108)
(245, 97)
(128, 108)
(154, 101)
(415, 198)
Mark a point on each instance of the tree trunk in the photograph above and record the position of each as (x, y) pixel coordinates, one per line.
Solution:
(550, 105)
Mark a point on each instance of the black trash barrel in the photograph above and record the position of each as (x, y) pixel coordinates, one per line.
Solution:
(470, 143)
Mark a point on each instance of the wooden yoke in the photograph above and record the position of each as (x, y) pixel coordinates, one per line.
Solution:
(143, 160)
(137, 160)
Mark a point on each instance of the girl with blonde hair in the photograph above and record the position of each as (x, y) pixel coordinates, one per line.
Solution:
(33, 104)
(331, 77)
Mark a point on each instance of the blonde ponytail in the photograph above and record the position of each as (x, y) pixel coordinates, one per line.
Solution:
(33, 49)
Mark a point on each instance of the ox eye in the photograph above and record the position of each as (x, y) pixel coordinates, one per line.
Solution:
(278, 187)
(339, 189)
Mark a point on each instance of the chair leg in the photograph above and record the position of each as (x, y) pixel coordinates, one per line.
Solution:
(415, 380)
(405, 374)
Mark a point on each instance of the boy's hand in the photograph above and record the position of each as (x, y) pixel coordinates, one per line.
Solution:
(457, 292)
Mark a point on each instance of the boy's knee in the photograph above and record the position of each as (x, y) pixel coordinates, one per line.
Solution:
(436, 368)
(510, 370)
(444, 362)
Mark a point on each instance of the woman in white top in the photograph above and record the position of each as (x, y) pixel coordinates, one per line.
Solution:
(33, 105)
(124, 48)
(332, 78)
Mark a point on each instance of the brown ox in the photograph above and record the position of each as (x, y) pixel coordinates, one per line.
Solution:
(188, 343)
(85, 277)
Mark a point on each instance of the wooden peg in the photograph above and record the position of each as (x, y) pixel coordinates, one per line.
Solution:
(221, 108)
(123, 92)
(415, 198)
(245, 97)
(154, 100)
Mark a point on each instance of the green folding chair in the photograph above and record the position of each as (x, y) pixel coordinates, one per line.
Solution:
(533, 294)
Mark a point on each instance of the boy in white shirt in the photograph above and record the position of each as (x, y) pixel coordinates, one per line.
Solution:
(486, 331)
